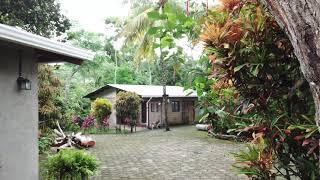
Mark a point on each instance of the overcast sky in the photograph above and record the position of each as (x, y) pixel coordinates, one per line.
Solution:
(90, 14)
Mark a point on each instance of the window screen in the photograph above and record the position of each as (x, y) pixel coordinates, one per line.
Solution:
(175, 106)
(152, 107)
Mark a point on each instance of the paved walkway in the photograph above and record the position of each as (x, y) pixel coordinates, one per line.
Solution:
(183, 153)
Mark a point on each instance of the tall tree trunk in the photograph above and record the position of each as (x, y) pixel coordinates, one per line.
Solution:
(116, 67)
(174, 75)
(164, 83)
(301, 21)
(150, 73)
(75, 69)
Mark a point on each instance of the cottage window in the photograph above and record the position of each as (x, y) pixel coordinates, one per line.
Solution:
(155, 106)
(152, 107)
(175, 106)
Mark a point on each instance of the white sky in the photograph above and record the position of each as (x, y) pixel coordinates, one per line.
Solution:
(90, 14)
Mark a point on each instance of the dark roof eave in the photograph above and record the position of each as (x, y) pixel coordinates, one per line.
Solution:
(90, 95)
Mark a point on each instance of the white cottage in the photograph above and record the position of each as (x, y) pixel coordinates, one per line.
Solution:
(181, 109)
(20, 54)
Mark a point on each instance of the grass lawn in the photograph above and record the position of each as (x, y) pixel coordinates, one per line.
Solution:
(104, 131)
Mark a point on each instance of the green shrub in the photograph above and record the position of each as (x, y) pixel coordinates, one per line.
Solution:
(48, 96)
(71, 127)
(101, 109)
(71, 164)
(128, 106)
(44, 144)
(256, 161)
(94, 130)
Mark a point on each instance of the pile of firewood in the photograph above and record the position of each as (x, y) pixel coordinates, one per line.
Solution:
(72, 140)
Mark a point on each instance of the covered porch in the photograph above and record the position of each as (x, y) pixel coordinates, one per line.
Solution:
(20, 54)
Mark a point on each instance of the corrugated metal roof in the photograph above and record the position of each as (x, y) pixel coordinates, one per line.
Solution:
(22, 37)
(149, 90)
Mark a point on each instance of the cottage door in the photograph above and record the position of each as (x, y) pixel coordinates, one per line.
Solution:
(187, 112)
(144, 112)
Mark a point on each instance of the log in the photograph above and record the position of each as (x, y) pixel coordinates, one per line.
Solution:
(85, 140)
(226, 137)
(60, 130)
(203, 127)
(57, 132)
(72, 140)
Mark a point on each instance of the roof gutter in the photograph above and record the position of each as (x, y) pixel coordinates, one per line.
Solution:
(148, 111)
(19, 36)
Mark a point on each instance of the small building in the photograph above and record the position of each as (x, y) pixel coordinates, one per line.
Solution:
(20, 54)
(181, 105)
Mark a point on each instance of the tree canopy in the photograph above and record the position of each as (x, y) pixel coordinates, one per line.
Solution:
(42, 17)
(248, 79)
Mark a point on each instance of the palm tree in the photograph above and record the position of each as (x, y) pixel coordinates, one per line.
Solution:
(135, 31)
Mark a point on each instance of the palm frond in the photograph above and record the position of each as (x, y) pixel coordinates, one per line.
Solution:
(145, 50)
(134, 30)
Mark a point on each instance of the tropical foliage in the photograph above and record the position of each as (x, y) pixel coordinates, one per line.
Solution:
(71, 164)
(37, 16)
(248, 79)
(256, 161)
(44, 142)
(49, 96)
(128, 107)
(101, 109)
(88, 122)
(255, 90)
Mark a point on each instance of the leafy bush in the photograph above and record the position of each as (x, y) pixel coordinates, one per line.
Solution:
(75, 105)
(71, 164)
(88, 122)
(77, 120)
(298, 150)
(48, 95)
(104, 131)
(44, 143)
(72, 125)
(215, 105)
(128, 107)
(100, 109)
(105, 122)
(295, 151)
(256, 161)
(249, 53)
(69, 126)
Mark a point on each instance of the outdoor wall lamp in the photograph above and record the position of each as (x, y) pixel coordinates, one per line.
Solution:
(23, 83)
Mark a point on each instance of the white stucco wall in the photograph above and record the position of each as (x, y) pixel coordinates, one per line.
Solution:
(18, 117)
(154, 116)
(174, 118)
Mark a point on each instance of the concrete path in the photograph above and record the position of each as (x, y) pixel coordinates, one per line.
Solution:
(183, 153)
